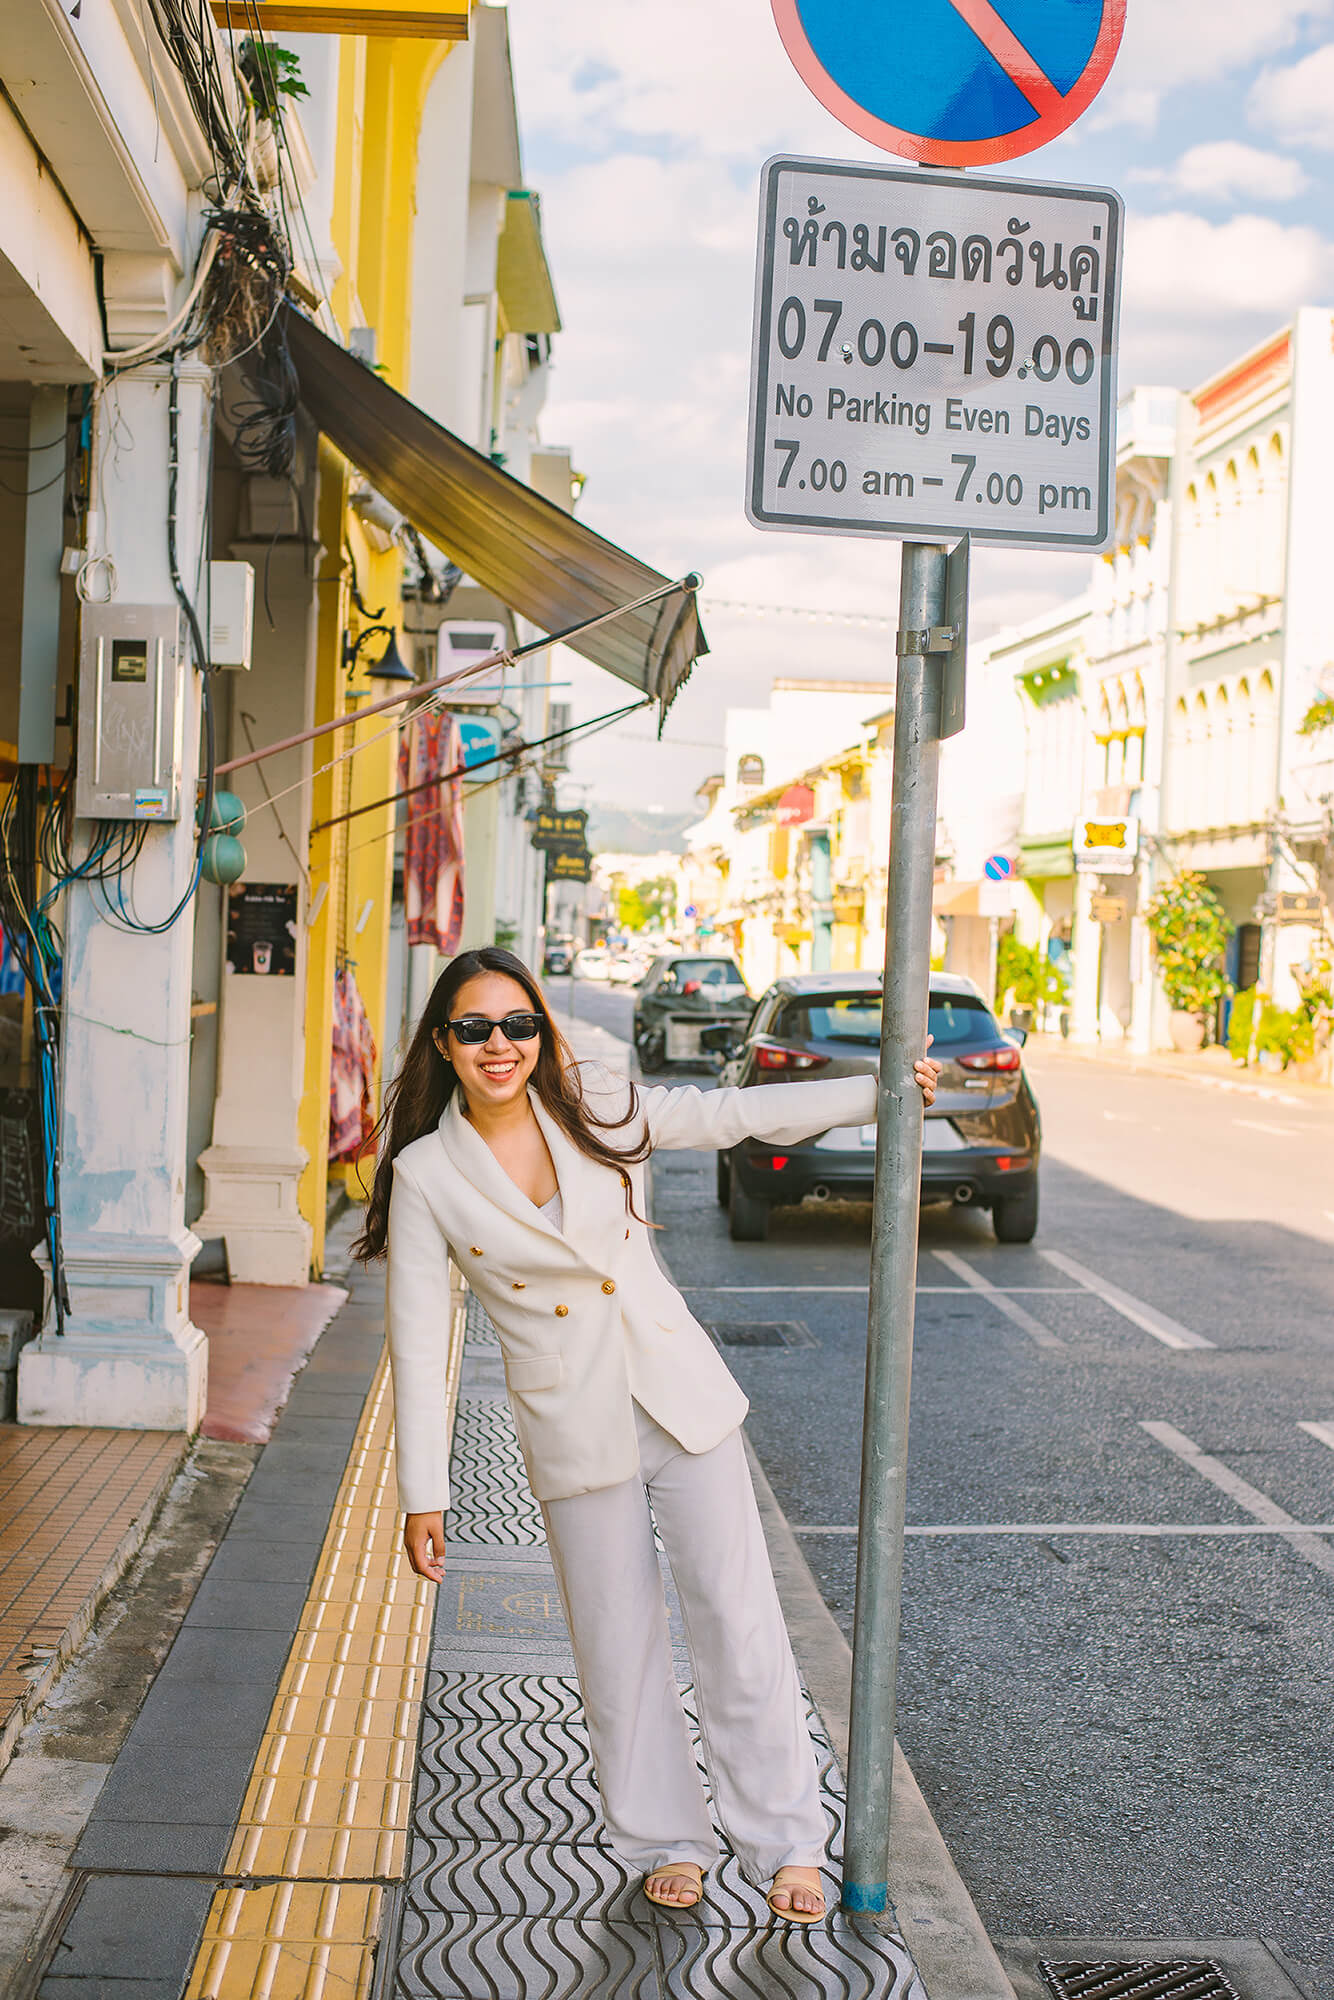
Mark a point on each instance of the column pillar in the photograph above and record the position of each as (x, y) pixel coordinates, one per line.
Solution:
(252, 1168)
(1085, 947)
(130, 1356)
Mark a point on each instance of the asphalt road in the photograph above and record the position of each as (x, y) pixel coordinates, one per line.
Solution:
(1121, 1732)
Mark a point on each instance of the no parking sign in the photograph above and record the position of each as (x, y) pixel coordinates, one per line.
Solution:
(953, 83)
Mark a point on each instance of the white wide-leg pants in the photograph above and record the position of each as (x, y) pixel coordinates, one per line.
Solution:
(757, 1748)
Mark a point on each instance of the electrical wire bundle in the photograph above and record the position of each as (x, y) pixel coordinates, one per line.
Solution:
(36, 947)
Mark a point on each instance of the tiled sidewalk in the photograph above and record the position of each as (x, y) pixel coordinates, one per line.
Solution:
(74, 1506)
(512, 1890)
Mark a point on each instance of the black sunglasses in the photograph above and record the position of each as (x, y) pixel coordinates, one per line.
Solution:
(475, 1028)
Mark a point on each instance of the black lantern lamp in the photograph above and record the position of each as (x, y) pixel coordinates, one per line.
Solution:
(389, 666)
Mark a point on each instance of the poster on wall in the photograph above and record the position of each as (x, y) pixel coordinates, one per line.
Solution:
(261, 928)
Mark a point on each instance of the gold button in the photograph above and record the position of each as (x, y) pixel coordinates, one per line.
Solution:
(519, 1285)
(475, 1250)
(607, 1285)
(562, 1311)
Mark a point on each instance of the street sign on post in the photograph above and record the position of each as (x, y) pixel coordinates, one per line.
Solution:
(953, 83)
(934, 356)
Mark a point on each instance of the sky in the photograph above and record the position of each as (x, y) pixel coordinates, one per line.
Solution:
(645, 128)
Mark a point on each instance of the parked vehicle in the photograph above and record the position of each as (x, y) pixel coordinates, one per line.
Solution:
(981, 1139)
(592, 963)
(679, 998)
(628, 969)
(558, 957)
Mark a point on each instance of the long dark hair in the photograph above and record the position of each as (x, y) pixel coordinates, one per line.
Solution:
(415, 1101)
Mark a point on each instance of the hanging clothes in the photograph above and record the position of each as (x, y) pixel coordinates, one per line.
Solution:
(352, 1070)
(433, 856)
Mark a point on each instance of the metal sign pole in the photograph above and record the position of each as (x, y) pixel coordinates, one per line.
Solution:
(917, 732)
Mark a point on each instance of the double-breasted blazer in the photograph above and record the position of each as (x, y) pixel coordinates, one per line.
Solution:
(588, 1322)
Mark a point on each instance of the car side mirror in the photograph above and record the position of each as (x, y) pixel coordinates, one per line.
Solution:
(1016, 1035)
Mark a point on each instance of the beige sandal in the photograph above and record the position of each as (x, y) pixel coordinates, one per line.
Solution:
(791, 1915)
(674, 1868)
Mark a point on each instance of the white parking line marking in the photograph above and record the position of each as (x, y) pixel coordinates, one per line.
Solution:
(1323, 1433)
(1036, 1331)
(1169, 1331)
(1152, 1529)
(1257, 1125)
(1043, 1291)
(1249, 1498)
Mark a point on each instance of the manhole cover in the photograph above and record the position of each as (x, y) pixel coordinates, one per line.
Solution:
(1137, 1979)
(761, 1333)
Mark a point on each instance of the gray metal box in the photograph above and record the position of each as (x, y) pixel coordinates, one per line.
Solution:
(132, 669)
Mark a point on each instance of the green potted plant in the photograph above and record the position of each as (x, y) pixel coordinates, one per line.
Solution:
(1027, 978)
(1190, 934)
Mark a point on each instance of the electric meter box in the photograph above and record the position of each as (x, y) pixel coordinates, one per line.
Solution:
(231, 613)
(132, 678)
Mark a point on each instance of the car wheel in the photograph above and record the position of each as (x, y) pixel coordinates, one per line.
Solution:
(652, 1053)
(724, 1174)
(1014, 1217)
(747, 1215)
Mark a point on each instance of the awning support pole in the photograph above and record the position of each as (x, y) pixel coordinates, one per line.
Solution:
(689, 584)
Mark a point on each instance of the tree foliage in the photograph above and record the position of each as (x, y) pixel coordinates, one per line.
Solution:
(1190, 934)
(645, 903)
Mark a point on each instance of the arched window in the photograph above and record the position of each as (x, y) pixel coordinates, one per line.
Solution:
(1198, 795)
(1190, 555)
(1273, 537)
(1264, 775)
(1135, 735)
(1219, 805)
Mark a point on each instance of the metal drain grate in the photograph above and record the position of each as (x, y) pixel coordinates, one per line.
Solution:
(761, 1333)
(1137, 1979)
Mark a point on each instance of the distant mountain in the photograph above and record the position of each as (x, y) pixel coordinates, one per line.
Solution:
(619, 830)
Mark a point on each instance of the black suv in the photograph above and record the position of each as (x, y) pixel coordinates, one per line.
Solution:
(981, 1139)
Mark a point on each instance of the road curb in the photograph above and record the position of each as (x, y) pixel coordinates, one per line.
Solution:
(936, 1914)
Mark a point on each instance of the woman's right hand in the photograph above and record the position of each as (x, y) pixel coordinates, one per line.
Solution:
(424, 1540)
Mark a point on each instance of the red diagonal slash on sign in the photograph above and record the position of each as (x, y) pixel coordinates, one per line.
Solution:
(1024, 72)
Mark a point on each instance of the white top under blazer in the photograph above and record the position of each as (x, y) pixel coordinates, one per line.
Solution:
(588, 1322)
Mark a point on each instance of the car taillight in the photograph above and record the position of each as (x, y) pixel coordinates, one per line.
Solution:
(1004, 1058)
(769, 1056)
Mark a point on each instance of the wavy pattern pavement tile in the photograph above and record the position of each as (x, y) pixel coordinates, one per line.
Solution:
(528, 1879)
(492, 1503)
(525, 1958)
(504, 1757)
(839, 1959)
(477, 1327)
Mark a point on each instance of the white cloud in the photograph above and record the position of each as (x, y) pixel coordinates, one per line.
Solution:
(1296, 103)
(1194, 42)
(1182, 263)
(1227, 170)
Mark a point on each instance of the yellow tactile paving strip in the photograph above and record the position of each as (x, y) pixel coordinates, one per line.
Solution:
(325, 1821)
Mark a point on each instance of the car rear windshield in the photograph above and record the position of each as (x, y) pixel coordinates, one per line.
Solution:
(855, 1017)
(708, 971)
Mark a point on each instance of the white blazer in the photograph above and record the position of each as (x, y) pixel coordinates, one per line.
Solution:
(586, 1318)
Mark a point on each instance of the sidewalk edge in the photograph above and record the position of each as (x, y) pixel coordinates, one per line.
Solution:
(936, 1914)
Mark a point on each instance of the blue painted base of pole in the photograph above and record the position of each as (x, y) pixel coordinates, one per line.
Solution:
(874, 1896)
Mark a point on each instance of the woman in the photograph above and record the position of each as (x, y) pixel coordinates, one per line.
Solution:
(529, 1167)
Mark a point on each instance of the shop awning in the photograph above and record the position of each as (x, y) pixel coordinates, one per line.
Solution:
(535, 557)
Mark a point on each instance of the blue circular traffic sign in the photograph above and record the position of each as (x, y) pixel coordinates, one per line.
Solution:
(999, 868)
(953, 83)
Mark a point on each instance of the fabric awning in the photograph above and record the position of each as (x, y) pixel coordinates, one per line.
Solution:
(535, 557)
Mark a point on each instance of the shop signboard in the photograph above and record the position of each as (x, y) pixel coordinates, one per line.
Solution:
(555, 830)
(1106, 846)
